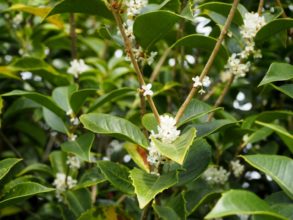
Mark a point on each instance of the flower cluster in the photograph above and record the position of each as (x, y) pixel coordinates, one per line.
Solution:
(62, 183)
(73, 162)
(77, 67)
(74, 120)
(147, 89)
(206, 82)
(237, 168)
(216, 175)
(134, 7)
(167, 133)
(236, 63)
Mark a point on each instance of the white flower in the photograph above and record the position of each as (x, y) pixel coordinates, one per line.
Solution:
(252, 24)
(77, 67)
(62, 183)
(225, 76)
(237, 168)
(151, 59)
(206, 82)
(74, 121)
(134, 7)
(73, 162)
(72, 137)
(167, 130)
(196, 81)
(234, 66)
(154, 158)
(214, 175)
(128, 27)
(147, 89)
(69, 112)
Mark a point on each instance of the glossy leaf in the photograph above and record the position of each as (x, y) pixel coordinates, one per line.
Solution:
(277, 167)
(38, 11)
(199, 151)
(61, 95)
(177, 150)
(36, 167)
(78, 98)
(117, 175)
(54, 121)
(58, 161)
(249, 204)
(148, 30)
(22, 192)
(147, 186)
(90, 177)
(7, 71)
(115, 94)
(43, 100)
(166, 213)
(81, 147)
(149, 122)
(273, 27)
(114, 126)
(278, 72)
(90, 7)
(276, 128)
(287, 89)
(6, 165)
(138, 155)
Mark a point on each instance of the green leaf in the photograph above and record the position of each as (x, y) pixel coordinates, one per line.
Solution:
(178, 204)
(278, 72)
(277, 167)
(6, 165)
(90, 177)
(235, 202)
(258, 135)
(148, 30)
(166, 213)
(54, 121)
(90, 7)
(22, 192)
(287, 89)
(149, 122)
(115, 94)
(61, 96)
(177, 150)
(78, 201)
(114, 126)
(276, 128)
(43, 100)
(78, 98)
(223, 9)
(138, 155)
(7, 71)
(36, 167)
(199, 151)
(147, 186)
(58, 161)
(273, 27)
(81, 147)
(196, 109)
(196, 41)
(117, 175)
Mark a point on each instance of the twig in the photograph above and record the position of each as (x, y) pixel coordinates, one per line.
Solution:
(144, 214)
(11, 146)
(94, 194)
(211, 59)
(222, 96)
(260, 6)
(73, 36)
(210, 93)
(161, 61)
(128, 48)
(279, 3)
(49, 147)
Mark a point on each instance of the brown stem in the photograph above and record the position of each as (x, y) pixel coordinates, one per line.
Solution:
(73, 36)
(279, 3)
(222, 96)
(260, 6)
(156, 71)
(128, 48)
(210, 93)
(94, 194)
(144, 214)
(11, 146)
(49, 147)
(211, 59)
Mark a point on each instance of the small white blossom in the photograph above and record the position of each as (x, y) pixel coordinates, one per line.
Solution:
(147, 89)
(69, 112)
(134, 7)
(225, 76)
(167, 130)
(151, 58)
(74, 121)
(77, 67)
(234, 66)
(216, 175)
(73, 162)
(154, 158)
(62, 183)
(17, 20)
(206, 82)
(72, 137)
(252, 24)
(196, 81)
(128, 27)
(237, 168)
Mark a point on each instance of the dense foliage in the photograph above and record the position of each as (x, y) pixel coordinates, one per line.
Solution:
(146, 109)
